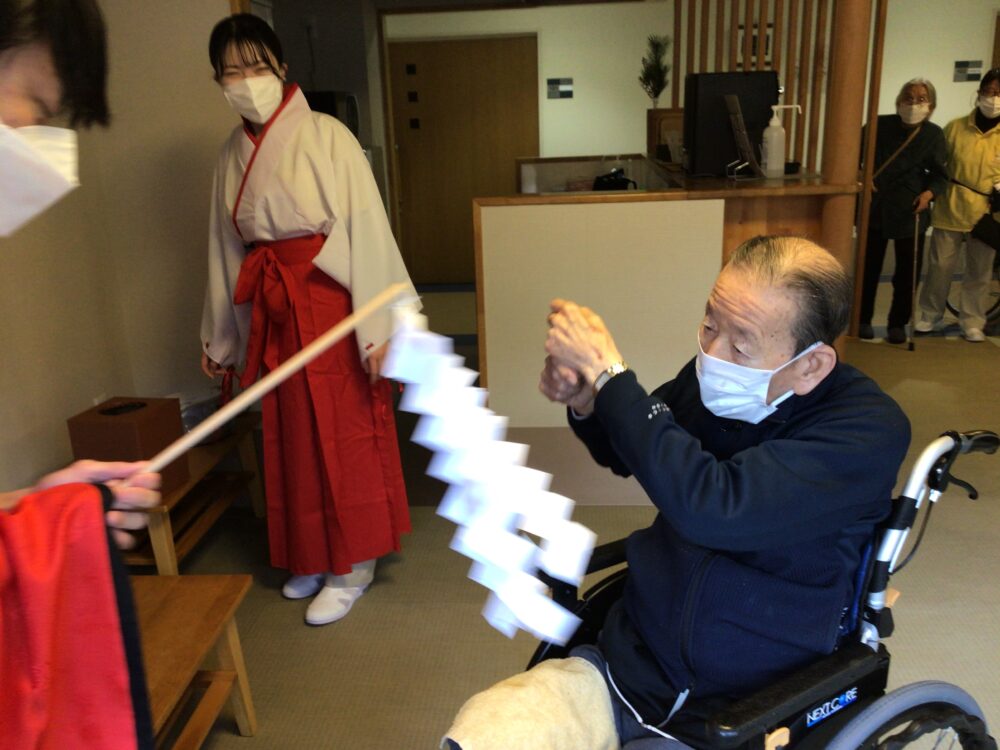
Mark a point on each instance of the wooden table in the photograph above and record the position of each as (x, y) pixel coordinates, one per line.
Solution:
(189, 511)
(185, 621)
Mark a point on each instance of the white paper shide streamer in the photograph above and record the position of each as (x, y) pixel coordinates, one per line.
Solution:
(493, 497)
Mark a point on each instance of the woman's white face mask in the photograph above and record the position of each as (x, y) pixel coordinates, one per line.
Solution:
(989, 106)
(256, 98)
(912, 114)
(38, 166)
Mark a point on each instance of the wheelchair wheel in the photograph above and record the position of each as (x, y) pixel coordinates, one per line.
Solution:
(993, 293)
(922, 715)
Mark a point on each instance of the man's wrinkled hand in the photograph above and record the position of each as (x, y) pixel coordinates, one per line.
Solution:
(579, 340)
(563, 385)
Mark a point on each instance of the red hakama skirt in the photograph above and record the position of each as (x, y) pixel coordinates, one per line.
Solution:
(70, 664)
(334, 482)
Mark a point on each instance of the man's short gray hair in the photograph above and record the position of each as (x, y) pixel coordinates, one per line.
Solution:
(816, 279)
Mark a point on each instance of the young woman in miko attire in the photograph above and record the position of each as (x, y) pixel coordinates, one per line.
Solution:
(298, 237)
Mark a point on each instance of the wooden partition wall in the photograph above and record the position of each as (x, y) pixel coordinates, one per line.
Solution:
(797, 45)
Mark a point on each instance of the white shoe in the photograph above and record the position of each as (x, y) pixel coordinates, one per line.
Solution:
(975, 335)
(923, 326)
(299, 587)
(332, 604)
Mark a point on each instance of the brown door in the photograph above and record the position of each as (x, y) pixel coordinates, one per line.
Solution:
(463, 111)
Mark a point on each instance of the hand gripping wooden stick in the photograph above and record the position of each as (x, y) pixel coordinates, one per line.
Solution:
(287, 368)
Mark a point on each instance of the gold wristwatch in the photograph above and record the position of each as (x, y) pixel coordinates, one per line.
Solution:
(616, 368)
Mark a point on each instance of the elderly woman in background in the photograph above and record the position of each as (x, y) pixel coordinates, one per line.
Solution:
(908, 173)
(973, 154)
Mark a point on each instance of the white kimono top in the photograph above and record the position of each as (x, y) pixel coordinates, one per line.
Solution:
(308, 175)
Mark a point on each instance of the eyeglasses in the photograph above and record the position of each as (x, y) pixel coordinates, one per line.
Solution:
(918, 100)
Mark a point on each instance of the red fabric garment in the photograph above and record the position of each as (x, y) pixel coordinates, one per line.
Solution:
(335, 492)
(64, 680)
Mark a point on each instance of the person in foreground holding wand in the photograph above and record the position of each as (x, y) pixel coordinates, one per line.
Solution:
(69, 636)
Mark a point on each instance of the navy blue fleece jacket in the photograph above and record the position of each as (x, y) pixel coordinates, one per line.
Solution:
(749, 564)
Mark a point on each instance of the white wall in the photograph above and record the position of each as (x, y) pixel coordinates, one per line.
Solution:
(157, 159)
(101, 296)
(651, 307)
(61, 339)
(599, 46)
(924, 38)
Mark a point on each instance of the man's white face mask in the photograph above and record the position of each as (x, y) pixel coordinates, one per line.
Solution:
(38, 166)
(736, 391)
(256, 98)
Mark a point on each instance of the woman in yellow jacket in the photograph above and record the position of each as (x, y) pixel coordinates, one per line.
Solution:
(973, 143)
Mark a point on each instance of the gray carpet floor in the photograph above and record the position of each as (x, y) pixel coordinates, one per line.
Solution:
(394, 672)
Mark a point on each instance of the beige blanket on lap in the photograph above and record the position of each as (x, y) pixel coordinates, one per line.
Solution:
(561, 704)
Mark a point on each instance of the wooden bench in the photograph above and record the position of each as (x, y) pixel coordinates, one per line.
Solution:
(192, 654)
(186, 513)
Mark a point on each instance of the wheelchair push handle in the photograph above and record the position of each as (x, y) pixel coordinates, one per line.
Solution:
(977, 441)
(974, 441)
(933, 467)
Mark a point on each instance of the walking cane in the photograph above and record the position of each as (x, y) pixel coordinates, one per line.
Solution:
(913, 289)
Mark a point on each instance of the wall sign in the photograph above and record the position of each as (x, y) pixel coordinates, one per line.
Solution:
(968, 70)
(560, 88)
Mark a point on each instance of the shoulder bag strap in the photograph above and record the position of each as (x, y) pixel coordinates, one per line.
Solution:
(897, 152)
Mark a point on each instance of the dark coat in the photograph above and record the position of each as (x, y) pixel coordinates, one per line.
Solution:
(919, 167)
(750, 562)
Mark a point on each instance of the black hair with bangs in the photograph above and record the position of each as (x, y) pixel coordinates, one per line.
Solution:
(252, 37)
(991, 76)
(76, 35)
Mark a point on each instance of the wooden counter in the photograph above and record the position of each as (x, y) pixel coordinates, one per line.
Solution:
(641, 259)
(792, 205)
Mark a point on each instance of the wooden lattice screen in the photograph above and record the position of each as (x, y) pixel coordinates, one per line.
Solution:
(796, 45)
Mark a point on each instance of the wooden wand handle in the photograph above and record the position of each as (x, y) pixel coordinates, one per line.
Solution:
(287, 368)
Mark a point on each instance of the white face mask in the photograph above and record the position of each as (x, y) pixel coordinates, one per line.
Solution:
(738, 392)
(989, 106)
(256, 98)
(911, 114)
(38, 166)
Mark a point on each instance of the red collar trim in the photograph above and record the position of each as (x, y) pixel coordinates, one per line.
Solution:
(290, 90)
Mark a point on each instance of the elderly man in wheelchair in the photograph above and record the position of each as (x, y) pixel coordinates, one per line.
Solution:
(740, 621)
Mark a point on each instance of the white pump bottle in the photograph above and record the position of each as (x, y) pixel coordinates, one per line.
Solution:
(773, 147)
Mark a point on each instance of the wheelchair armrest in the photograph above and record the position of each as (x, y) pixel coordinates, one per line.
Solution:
(607, 555)
(604, 556)
(787, 702)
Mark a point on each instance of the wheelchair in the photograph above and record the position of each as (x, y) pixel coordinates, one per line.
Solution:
(838, 702)
(992, 302)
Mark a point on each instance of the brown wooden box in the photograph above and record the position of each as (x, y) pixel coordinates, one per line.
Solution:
(130, 429)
